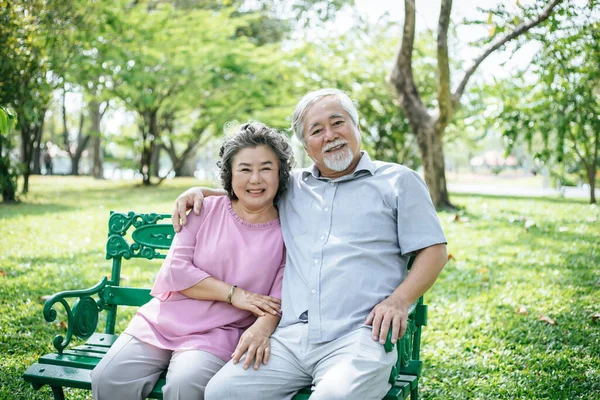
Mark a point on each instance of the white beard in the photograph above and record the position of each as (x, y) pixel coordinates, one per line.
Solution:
(340, 160)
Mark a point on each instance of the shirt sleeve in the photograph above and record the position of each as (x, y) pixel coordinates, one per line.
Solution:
(178, 271)
(418, 224)
(276, 288)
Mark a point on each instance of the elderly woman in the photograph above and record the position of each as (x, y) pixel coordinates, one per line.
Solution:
(216, 297)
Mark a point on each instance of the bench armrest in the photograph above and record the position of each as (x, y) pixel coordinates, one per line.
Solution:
(82, 320)
(389, 346)
(408, 346)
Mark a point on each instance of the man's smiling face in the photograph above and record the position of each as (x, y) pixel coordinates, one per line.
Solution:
(331, 139)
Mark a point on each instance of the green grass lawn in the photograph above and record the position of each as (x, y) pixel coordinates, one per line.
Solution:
(514, 261)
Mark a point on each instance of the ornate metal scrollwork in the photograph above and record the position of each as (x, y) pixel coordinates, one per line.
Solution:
(148, 236)
(406, 344)
(80, 320)
(85, 317)
(119, 223)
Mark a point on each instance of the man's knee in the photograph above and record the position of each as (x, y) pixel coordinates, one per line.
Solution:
(219, 387)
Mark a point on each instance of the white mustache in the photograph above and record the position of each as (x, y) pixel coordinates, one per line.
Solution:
(331, 145)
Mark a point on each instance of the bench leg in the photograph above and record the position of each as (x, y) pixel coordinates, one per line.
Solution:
(58, 393)
(414, 394)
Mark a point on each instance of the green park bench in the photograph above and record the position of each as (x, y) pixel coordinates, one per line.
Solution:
(142, 236)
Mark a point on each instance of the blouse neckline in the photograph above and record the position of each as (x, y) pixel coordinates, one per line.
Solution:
(247, 224)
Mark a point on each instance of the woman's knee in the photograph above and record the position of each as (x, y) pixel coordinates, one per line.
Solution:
(102, 379)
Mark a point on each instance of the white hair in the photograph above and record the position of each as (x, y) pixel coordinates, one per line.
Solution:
(311, 98)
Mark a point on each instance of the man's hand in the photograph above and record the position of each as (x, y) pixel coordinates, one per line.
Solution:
(256, 303)
(390, 312)
(256, 342)
(190, 198)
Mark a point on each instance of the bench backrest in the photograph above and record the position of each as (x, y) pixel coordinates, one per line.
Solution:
(132, 235)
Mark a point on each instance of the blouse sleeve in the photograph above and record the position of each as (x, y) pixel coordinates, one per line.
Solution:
(178, 271)
(276, 288)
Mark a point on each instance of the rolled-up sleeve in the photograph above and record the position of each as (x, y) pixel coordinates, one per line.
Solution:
(178, 271)
(418, 224)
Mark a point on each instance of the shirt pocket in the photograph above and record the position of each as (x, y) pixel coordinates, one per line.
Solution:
(300, 217)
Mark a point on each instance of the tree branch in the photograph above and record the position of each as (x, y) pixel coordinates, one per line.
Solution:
(499, 42)
(443, 66)
(402, 76)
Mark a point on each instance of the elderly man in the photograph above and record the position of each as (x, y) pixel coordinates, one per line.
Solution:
(350, 225)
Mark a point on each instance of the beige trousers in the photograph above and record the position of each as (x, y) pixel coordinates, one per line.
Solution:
(351, 367)
(131, 368)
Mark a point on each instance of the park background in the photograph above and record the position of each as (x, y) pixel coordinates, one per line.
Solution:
(120, 105)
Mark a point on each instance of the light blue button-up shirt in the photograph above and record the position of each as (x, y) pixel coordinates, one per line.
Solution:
(348, 242)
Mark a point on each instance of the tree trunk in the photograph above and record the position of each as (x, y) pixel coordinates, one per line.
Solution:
(146, 162)
(149, 132)
(156, 159)
(9, 183)
(26, 154)
(30, 146)
(431, 148)
(37, 152)
(96, 137)
(591, 175)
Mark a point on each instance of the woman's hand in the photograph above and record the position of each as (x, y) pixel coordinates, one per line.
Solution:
(255, 341)
(256, 303)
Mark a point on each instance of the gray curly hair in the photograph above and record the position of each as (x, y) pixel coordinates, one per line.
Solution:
(253, 134)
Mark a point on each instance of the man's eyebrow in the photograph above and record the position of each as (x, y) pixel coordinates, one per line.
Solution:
(332, 116)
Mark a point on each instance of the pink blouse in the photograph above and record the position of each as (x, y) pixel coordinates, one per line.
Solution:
(220, 244)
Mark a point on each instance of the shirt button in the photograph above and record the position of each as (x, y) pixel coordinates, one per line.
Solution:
(316, 261)
(313, 291)
(322, 237)
(326, 209)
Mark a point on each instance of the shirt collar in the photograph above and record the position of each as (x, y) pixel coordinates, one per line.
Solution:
(364, 164)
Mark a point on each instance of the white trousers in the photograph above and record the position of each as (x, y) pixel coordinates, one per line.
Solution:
(131, 368)
(351, 367)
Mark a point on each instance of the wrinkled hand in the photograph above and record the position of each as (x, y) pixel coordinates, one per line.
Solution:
(256, 303)
(190, 198)
(256, 342)
(390, 312)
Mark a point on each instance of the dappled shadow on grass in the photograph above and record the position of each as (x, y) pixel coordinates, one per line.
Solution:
(11, 211)
(71, 199)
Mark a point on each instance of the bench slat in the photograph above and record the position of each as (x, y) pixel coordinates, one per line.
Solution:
(411, 379)
(84, 354)
(92, 349)
(80, 378)
(400, 390)
(101, 339)
(69, 360)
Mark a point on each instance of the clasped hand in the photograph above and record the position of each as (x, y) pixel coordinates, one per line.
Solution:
(256, 303)
(391, 312)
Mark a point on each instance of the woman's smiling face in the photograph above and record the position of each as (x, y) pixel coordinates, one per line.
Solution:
(255, 176)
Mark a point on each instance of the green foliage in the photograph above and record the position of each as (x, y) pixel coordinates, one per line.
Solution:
(557, 115)
(484, 339)
(9, 169)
